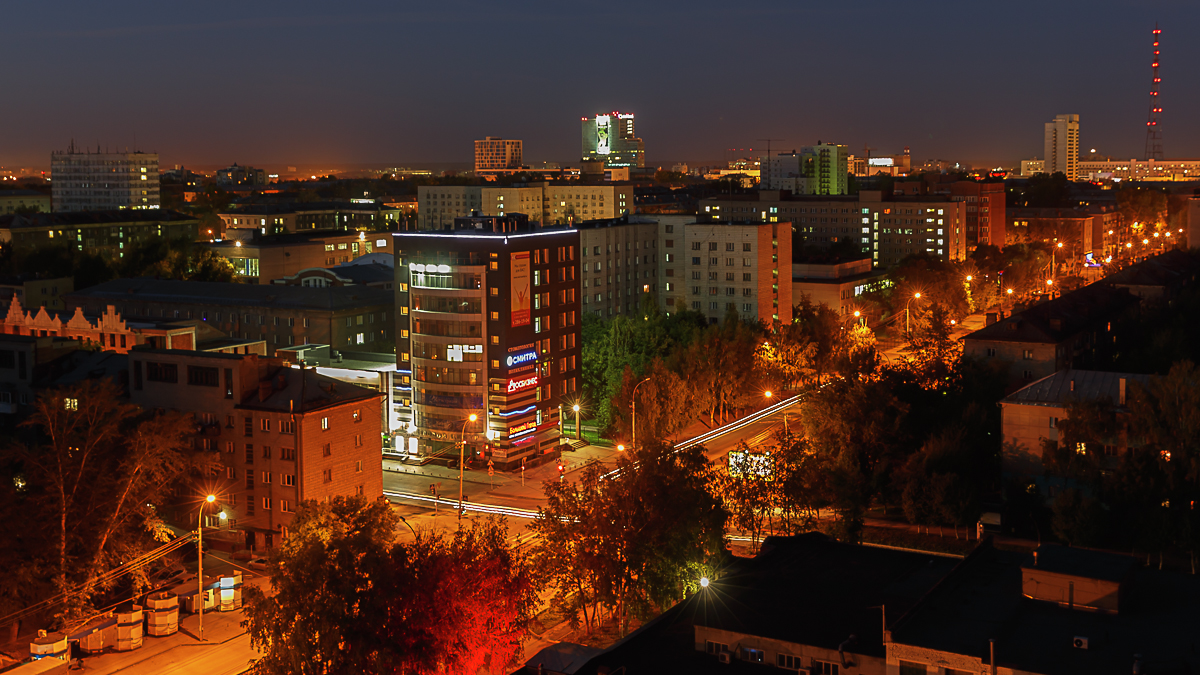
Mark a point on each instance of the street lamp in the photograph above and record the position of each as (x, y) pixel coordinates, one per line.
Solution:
(462, 451)
(633, 414)
(703, 582)
(200, 559)
(578, 429)
(907, 324)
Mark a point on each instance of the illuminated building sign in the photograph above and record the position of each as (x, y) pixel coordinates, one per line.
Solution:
(455, 352)
(522, 384)
(603, 135)
(881, 161)
(432, 269)
(519, 288)
(521, 357)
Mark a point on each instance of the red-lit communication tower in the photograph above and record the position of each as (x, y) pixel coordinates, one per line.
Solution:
(1154, 149)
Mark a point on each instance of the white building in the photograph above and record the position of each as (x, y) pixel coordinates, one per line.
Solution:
(103, 181)
(1062, 146)
(1032, 167)
(439, 205)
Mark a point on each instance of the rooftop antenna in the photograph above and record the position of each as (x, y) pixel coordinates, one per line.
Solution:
(1154, 148)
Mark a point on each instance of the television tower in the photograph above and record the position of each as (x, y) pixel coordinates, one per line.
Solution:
(1154, 149)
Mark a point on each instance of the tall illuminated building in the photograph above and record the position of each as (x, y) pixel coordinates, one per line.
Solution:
(103, 181)
(498, 155)
(1062, 146)
(488, 323)
(610, 138)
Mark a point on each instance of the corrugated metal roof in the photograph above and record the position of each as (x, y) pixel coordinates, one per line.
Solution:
(1065, 385)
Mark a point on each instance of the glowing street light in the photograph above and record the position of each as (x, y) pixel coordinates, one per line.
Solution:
(462, 451)
(200, 559)
(703, 582)
(620, 447)
(968, 278)
(907, 324)
(578, 429)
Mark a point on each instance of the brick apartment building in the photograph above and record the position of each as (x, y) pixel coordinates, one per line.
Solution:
(263, 259)
(345, 317)
(283, 435)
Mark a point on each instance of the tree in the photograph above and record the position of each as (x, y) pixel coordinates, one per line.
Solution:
(933, 352)
(632, 542)
(94, 467)
(350, 598)
(747, 494)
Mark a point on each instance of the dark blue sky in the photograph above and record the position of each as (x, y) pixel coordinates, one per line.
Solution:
(409, 83)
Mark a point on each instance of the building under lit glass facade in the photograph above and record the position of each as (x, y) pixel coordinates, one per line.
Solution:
(610, 138)
(488, 322)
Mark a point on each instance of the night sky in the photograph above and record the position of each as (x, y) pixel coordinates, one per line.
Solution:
(411, 84)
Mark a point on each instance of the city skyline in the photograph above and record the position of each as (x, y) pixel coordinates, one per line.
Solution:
(377, 84)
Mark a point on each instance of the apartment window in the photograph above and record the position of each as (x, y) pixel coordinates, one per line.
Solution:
(1027, 354)
(228, 446)
(358, 491)
(695, 246)
(327, 475)
(753, 655)
(249, 505)
(162, 372)
(287, 427)
(266, 477)
(358, 466)
(715, 648)
(358, 440)
(288, 479)
(1028, 374)
(1053, 422)
(991, 351)
(324, 423)
(288, 454)
(202, 377)
(285, 506)
(327, 450)
(264, 424)
(746, 248)
(249, 479)
(906, 668)
(248, 426)
(788, 661)
(827, 668)
(266, 503)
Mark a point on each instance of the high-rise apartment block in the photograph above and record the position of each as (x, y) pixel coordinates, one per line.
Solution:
(545, 203)
(610, 138)
(1062, 146)
(816, 170)
(721, 268)
(283, 435)
(103, 181)
(620, 263)
(888, 227)
(488, 319)
(498, 155)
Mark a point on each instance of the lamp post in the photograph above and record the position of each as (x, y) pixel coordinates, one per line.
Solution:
(578, 429)
(462, 452)
(907, 324)
(633, 414)
(200, 559)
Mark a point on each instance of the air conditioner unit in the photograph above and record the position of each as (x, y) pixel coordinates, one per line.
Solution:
(1079, 642)
(725, 657)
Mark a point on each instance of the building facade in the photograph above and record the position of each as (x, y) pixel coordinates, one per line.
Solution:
(26, 201)
(345, 317)
(1032, 167)
(284, 435)
(107, 233)
(1136, 169)
(266, 259)
(723, 268)
(498, 155)
(241, 175)
(355, 215)
(620, 263)
(558, 203)
(489, 322)
(889, 228)
(610, 139)
(1061, 146)
(104, 181)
